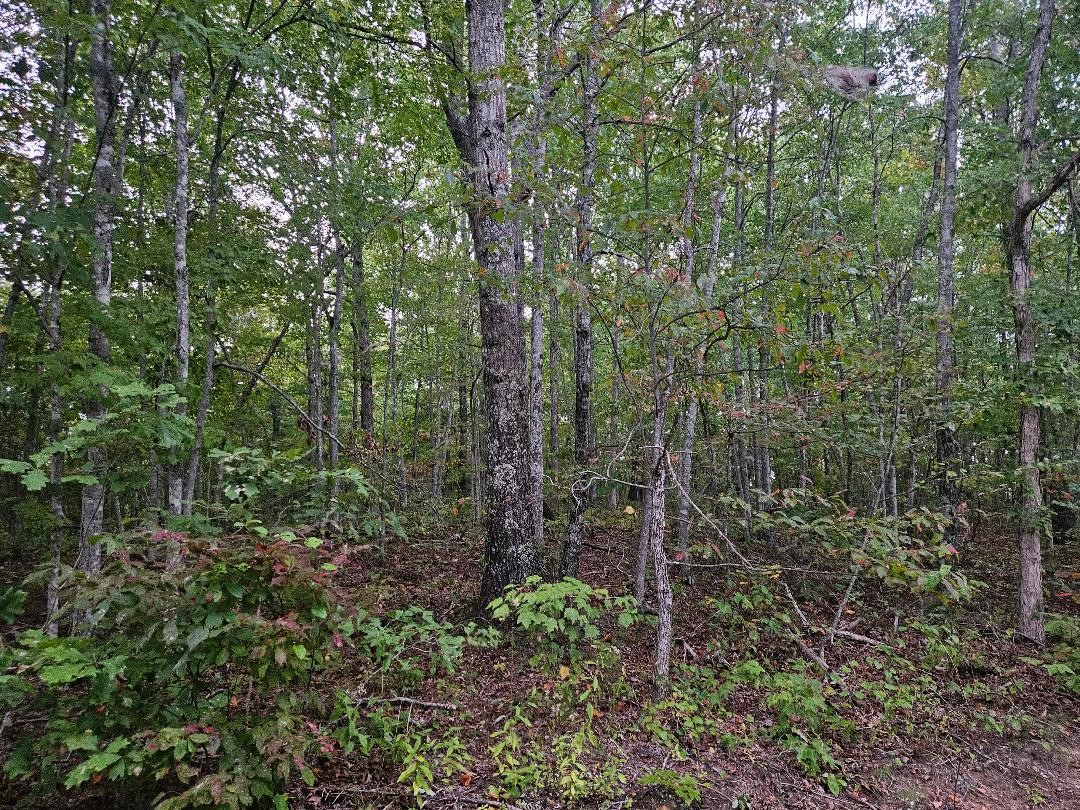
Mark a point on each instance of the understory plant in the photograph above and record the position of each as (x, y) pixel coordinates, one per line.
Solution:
(195, 678)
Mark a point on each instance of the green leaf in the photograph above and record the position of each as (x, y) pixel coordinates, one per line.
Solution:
(84, 770)
(197, 636)
(58, 674)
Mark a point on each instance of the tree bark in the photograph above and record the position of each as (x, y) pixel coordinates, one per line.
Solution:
(689, 256)
(1017, 251)
(362, 348)
(333, 404)
(103, 86)
(581, 488)
(183, 309)
(57, 186)
(945, 435)
(510, 552)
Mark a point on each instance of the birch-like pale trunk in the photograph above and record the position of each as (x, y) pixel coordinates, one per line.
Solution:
(945, 434)
(180, 273)
(103, 91)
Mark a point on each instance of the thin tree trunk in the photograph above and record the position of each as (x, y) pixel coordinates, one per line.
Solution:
(57, 190)
(689, 256)
(337, 304)
(613, 423)
(538, 148)
(210, 318)
(581, 488)
(945, 435)
(362, 350)
(553, 383)
(1017, 250)
(103, 84)
(183, 310)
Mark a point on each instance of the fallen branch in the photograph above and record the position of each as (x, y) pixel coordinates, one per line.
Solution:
(451, 707)
(859, 637)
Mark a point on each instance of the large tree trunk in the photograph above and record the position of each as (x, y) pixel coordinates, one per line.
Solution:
(510, 553)
(1017, 249)
(945, 438)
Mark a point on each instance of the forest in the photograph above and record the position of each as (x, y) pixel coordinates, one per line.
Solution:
(540, 403)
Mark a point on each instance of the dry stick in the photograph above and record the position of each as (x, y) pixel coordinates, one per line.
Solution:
(828, 639)
(262, 378)
(422, 703)
(292, 403)
(816, 658)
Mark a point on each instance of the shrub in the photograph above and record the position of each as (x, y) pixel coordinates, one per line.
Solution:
(196, 679)
(559, 615)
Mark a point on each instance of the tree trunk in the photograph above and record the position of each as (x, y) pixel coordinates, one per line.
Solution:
(581, 488)
(553, 383)
(210, 318)
(333, 404)
(613, 423)
(945, 436)
(538, 149)
(1017, 250)
(57, 191)
(103, 84)
(183, 310)
(689, 256)
(362, 349)
(510, 552)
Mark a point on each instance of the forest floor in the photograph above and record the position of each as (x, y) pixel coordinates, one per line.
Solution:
(948, 711)
(943, 711)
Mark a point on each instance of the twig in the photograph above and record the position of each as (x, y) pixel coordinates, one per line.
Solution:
(424, 703)
(859, 637)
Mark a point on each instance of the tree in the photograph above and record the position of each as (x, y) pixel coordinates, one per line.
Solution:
(482, 140)
(1017, 236)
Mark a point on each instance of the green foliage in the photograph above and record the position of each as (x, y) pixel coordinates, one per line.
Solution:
(199, 676)
(694, 711)
(557, 616)
(410, 644)
(681, 786)
(11, 604)
(575, 765)
(803, 716)
(280, 488)
(1064, 631)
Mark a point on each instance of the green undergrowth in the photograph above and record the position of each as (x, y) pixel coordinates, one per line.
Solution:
(249, 672)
